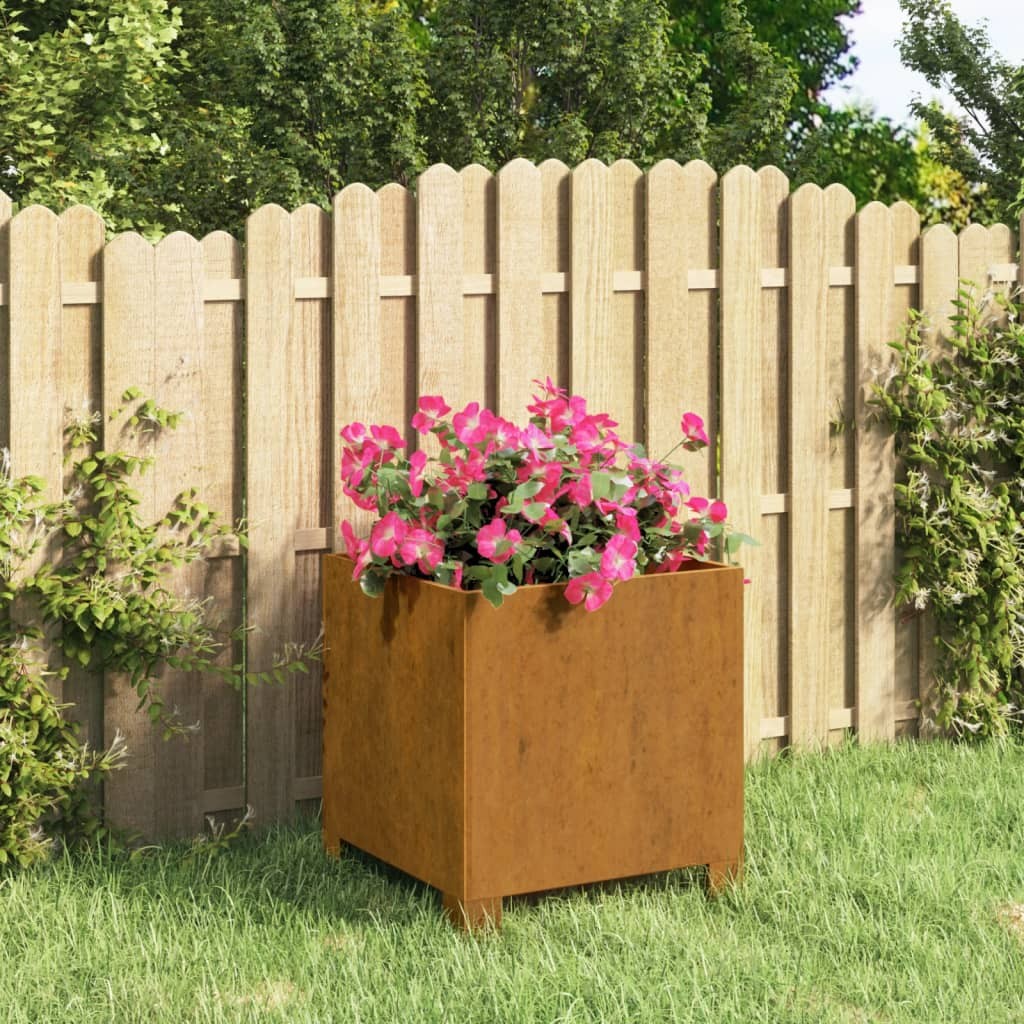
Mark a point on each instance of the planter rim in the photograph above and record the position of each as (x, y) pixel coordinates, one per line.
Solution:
(699, 565)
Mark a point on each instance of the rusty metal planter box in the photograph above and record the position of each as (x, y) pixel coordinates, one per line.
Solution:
(490, 752)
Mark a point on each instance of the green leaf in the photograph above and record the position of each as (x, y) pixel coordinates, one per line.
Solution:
(372, 583)
(492, 591)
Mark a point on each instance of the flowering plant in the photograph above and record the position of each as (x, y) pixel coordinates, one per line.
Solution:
(563, 499)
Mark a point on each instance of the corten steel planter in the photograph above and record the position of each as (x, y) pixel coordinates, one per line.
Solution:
(490, 752)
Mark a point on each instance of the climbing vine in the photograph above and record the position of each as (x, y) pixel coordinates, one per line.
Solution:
(92, 577)
(958, 418)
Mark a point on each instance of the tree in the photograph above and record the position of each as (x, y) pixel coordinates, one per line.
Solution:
(86, 101)
(871, 156)
(584, 78)
(985, 144)
(807, 37)
(321, 93)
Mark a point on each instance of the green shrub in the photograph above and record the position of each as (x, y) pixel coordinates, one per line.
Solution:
(958, 417)
(106, 602)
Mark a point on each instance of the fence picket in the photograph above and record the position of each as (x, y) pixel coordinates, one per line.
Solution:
(808, 511)
(273, 471)
(681, 354)
(595, 372)
(364, 361)
(448, 364)
(129, 356)
(398, 313)
(623, 391)
(524, 352)
(5, 284)
(773, 532)
(740, 403)
(940, 272)
(875, 530)
(556, 258)
(221, 488)
(840, 211)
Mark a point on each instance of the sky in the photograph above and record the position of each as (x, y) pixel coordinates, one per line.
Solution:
(883, 81)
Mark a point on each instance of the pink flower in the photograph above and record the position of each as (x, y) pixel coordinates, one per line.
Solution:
(387, 437)
(457, 576)
(564, 415)
(421, 548)
(354, 434)
(550, 473)
(592, 589)
(498, 433)
(432, 409)
(535, 440)
(701, 545)
(580, 491)
(354, 545)
(468, 425)
(387, 534)
(718, 512)
(617, 559)
(416, 463)
(465, 471)
(362, 563)
(693, 427)
(625, 523)
(496, 542)
(698, 504)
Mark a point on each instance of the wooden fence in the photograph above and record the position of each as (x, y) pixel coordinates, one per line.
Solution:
(768, 312)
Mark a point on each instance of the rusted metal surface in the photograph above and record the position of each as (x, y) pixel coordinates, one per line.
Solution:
(491, 752)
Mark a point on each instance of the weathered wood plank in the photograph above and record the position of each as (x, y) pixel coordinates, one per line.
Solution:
(524, 352)
(34, 323)
(5, 279)
(774, 553)
(906, 225)
(556, 260)
(479, 259)
(222, 385)
(367, 388)
(129, 360)
(275, 358)
(398, 315)
(742, 463)
(311, 446)
(840, 211)
(82, 235)
(623, 391)
(447, 364)
(940, 272)
(595, 371)
(875, 529)
(808, 633)
(682, 358)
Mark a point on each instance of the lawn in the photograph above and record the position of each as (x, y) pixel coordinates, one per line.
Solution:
(882, 884)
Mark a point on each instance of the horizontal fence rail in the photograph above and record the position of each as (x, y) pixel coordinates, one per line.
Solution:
(767, 311)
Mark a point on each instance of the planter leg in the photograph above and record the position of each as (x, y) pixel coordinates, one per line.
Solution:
(722, 874)
(332, 846)
(472, 915)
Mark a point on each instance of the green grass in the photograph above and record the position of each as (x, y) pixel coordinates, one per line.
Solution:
(880, 886)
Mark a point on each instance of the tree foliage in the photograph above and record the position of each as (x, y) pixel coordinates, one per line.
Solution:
(985, 145)
(85, 101)
(587, 78)
(163, 118)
